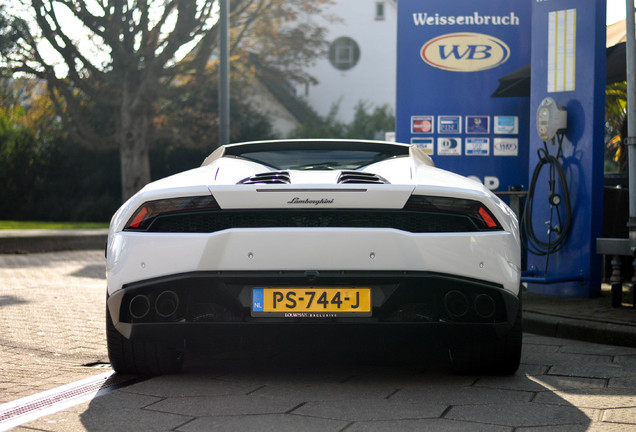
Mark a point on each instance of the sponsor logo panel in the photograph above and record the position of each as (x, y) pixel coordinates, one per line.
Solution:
(506, 147)
(449, 146)
(449, 124)
(447, 41)
(426, 144)
(422, 124)
(477, 146)
(507, 125)
(477, 124)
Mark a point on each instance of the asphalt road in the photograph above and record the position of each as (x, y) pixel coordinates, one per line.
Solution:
(51, 333)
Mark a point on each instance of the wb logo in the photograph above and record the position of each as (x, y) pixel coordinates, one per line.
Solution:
(507, 147)
(465, 52)
(470, 52)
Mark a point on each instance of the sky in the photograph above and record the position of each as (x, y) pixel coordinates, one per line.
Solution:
(615, 11)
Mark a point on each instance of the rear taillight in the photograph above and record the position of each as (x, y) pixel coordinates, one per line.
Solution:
(151, 210)
(474, 210)
(487, 217)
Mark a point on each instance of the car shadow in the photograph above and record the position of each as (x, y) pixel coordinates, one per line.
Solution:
(11, 300)
(317, 386)
(94, 271)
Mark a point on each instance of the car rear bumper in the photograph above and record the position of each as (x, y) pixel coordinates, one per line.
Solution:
(202, 304)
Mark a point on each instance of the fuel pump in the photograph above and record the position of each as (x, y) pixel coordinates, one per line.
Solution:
(551, 126)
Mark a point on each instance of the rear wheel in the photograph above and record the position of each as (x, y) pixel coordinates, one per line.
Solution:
(140, 357)
(500, 356)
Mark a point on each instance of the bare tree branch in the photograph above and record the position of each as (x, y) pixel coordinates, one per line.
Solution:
(143, 39)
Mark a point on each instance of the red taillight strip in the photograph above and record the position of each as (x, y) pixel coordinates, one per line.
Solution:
(139, 218)
(485, 215)
(150, 210)
(459, 206)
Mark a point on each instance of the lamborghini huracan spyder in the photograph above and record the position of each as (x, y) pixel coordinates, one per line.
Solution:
(301, 234)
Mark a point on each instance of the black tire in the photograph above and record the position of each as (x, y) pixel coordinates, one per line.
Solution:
(140, 357)
(500, 356)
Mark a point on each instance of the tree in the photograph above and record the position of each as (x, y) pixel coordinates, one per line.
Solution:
(365, 124)
(133, 51)
(47, 176)
(10, 31)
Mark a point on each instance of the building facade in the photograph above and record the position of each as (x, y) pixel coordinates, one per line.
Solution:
(361, 64)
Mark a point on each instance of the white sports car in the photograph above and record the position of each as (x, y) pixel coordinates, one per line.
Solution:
(314, 234)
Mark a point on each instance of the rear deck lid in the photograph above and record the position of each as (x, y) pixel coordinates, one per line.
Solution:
(317, 196)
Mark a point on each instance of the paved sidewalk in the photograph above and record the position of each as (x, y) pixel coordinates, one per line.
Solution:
(52, 309)
(562, 385)
(587, 319)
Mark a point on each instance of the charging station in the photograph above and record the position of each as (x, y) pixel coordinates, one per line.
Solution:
(563, 213)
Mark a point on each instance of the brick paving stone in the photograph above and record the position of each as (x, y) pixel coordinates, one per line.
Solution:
(51, 320)
(620, 415)
(264, 423)
(126, 407)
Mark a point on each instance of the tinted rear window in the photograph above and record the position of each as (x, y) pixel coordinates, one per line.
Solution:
(317, 155)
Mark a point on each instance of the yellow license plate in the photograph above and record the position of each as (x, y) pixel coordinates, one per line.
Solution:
(311, 302)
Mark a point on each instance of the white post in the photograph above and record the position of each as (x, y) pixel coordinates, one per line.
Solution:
(224, 73)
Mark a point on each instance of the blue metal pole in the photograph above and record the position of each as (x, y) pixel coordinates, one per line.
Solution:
(552, 280)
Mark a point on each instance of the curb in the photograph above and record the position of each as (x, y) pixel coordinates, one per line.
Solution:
(578, 329)
(31, 241)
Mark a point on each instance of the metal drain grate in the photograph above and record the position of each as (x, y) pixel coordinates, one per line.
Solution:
(33, 407)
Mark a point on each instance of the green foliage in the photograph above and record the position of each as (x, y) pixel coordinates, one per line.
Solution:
(371, 125)
(24, 225)
(615, 127)
(191, 109)
(319, 127)
(47, 176)
(615, 106)
(56, 181)
(187, 116)
(366, 124)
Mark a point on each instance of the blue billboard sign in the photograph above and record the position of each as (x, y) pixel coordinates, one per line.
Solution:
(450, 57)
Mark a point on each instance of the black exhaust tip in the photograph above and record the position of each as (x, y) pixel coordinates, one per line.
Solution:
(484, 306)
(456, 304)
(139, 306)
(166, 304)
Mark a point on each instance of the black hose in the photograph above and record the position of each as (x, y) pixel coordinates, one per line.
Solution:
(557, 239)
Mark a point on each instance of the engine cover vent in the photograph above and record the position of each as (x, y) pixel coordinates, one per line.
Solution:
(360, 177)
(276, 177)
